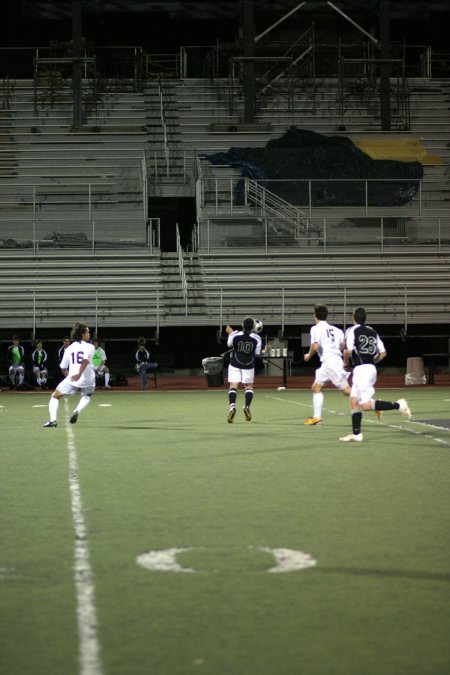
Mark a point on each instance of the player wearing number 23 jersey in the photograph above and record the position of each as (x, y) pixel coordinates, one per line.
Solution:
(365, 348)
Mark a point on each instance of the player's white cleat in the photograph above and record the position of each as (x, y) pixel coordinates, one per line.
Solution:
(404, 408)
(248, 414)
(231, 415)
(352, 437)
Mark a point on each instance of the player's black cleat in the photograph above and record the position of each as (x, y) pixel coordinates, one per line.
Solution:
(231, 415)
(73, 419)
(248, 414)
(51, 424)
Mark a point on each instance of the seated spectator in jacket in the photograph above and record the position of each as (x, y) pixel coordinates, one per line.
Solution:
(60, 374)
(16, 363)
(39, 362)
(143, 362)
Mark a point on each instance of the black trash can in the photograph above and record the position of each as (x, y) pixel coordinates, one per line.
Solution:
(213, 367)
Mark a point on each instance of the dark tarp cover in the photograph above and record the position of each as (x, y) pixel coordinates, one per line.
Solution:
(285, 164)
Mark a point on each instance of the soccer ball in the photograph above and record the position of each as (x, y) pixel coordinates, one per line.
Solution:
(258, 326)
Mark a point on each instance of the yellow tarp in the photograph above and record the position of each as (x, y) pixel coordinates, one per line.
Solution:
(401, 149)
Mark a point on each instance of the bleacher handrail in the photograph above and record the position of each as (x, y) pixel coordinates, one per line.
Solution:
(182, 272)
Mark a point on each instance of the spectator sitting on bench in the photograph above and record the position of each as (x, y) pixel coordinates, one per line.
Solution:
(143, 362)
(99, 361)
(58, 374)
(39, 360)
(16, 363)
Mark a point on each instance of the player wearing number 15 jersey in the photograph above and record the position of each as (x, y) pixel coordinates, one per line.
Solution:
(328, 342)
(365, 348)
(77, 361)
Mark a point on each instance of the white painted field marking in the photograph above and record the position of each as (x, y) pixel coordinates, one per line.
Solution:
(42, 405)
(89, 649)
(105, 405)
(163, 560)
(286, 559)
(367, 420)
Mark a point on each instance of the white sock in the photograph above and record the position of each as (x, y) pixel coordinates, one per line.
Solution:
(317, 405)
(53, 408)
(82, 403)
(106, 379)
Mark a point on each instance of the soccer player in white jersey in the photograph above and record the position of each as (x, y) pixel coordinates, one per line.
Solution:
(328, 342)
(79, 371)
(364, 347)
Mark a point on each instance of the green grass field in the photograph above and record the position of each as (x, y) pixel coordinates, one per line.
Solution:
(157, 471)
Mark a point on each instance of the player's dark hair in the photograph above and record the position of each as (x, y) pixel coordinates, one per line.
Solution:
(77, 332)
(320, 312)
(15, 337)
(360, 315)
(141, 341)
(248, 324)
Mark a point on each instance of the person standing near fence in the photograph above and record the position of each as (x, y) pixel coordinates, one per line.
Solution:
(80, 379)
(364, 349)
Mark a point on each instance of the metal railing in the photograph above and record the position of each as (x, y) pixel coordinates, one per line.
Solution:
(223, 195)
(184, 286)
(388, 303)
(375, 234)
(270, 205)
(134, 64)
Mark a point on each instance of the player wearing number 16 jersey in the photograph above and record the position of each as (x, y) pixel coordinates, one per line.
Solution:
(77, 361)
(365, 348)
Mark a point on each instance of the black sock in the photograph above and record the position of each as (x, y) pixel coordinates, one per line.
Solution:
(356, 422)
(248, 397)
(232, 393)
(386, 405)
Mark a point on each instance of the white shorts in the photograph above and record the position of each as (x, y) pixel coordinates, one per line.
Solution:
(332, 371)
(244, 375)
(363, 385)
(68, 388)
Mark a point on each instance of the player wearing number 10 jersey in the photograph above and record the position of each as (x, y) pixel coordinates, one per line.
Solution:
(364, 347)
(80, 377)
(245, 346)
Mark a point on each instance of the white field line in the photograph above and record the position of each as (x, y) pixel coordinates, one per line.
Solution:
(377, 422)
(88, 647)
